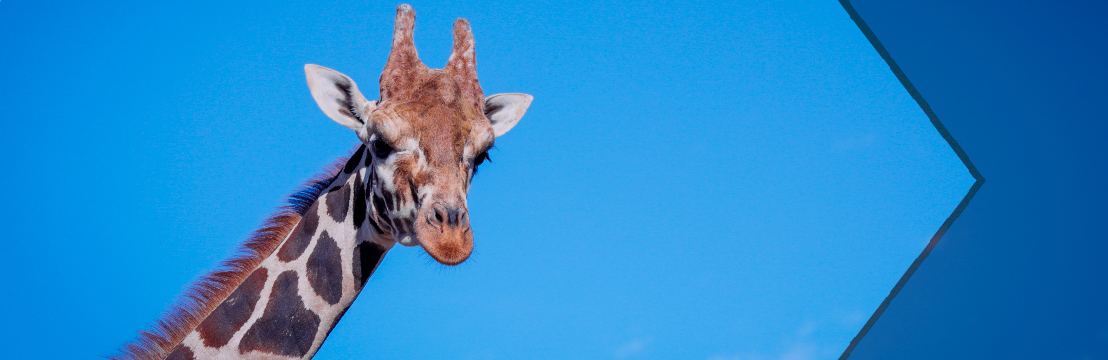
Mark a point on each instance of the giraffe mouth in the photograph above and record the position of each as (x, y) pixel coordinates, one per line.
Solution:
(448, 245)
(450, 250)
(445, 234)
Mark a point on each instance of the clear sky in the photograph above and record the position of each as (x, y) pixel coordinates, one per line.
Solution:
(693, 181)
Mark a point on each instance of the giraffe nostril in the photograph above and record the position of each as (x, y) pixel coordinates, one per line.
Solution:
(441, 215)
(452, 217)
(438, 215)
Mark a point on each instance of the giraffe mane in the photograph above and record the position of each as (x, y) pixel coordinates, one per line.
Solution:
(202, 296)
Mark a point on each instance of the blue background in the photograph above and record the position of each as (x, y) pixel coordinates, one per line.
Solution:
(1021, 274)
(738, 181)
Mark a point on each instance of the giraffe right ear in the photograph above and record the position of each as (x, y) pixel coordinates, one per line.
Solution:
(339, 98)
(505, 110)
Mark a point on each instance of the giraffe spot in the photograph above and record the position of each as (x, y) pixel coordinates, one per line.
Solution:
(379, 207)
(181, 352)
(301, 236)
(375, 226)
(389, 200)
(218, 328)
(338, 201)
(359, 201)
(415, 194)
(325, 269)
(366, 257)
(286, 326)
(354, 160)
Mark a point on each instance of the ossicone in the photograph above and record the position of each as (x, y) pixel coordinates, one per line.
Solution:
(403, 65)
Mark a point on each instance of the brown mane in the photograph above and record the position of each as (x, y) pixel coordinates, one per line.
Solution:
(204, 294)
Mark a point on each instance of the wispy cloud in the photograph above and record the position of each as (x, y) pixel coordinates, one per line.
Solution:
(801, 351)
(853, 319)
(804, 345)
(721, 357)
(632, 347)
(796, 351)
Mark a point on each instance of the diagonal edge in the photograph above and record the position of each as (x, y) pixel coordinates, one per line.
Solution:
(978, 179)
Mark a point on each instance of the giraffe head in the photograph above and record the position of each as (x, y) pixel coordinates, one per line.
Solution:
(425, 137)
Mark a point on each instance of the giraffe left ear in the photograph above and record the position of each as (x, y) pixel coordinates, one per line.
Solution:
(505, 110)
(339, 98)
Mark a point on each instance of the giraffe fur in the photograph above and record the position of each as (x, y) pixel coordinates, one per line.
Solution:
(204, 295)
(305, 291)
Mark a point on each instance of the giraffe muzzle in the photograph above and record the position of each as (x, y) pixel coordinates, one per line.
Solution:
(446, 234)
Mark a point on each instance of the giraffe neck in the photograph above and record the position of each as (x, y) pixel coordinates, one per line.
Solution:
(287, 306)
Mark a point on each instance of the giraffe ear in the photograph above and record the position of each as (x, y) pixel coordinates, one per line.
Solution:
(339, 98)
(505, 110)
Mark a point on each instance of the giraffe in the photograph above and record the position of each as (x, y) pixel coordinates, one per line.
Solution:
(406, 183)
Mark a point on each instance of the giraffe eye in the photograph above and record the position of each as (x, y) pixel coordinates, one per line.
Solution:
(381, 149)
(477, 161)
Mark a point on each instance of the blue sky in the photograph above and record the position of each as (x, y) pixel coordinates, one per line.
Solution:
(709, 181)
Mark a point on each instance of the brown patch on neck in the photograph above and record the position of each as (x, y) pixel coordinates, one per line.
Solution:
(286, 326)
(218, 328)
